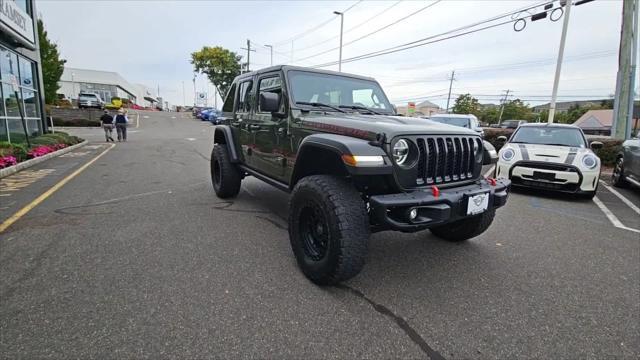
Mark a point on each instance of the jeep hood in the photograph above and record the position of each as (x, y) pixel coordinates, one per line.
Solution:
(368, 126)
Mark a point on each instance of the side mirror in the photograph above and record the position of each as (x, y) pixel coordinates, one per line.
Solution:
(490, 155)
(502, 138)
(595, 145)
(269, 102)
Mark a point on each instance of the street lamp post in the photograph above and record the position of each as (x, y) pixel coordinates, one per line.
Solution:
(271, 53)
(341, 28)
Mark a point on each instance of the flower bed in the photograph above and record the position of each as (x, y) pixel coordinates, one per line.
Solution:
(14, 153)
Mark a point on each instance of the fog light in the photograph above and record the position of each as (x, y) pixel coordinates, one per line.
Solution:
(413, 214)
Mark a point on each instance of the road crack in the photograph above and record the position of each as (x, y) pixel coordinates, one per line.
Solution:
(402, 323)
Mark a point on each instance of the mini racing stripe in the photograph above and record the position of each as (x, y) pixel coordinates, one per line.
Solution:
(571, 156)
(524, 152)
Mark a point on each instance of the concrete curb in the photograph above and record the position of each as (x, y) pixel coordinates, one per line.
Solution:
(29, 163)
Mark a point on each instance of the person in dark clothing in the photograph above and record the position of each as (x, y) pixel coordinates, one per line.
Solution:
(121, 121)
(107, 125)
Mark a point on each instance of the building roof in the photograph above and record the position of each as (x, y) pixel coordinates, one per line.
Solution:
(596, 119)
(427, 103)
(97, 77)
(300, 68)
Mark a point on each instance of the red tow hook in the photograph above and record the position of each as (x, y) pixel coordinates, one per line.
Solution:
(435, 191)
(492, 181)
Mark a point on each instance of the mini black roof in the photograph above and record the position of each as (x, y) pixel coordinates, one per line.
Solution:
(301, 68)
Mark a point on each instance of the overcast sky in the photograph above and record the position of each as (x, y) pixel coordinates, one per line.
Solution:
(150, 42)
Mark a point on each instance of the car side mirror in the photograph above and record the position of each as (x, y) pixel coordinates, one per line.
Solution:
(490, 155)
(269, 102)
(502, 138)
(596, 145)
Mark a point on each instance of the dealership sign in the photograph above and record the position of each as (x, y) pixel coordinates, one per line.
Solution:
(17, 21)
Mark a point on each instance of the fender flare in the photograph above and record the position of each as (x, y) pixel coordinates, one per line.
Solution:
(341, 145)
(224, 135)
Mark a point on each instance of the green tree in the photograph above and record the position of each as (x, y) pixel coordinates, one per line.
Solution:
(465, 104)
(219, 64)
(52, 65)
(516, 110)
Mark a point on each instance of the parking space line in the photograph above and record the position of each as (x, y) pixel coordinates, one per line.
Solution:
(614, 220)
(22, 212)
(621, 197)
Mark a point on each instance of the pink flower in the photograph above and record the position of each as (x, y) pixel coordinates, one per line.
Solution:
(6, 161)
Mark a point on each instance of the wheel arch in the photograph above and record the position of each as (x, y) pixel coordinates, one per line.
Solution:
(223, 135)
(321, 154)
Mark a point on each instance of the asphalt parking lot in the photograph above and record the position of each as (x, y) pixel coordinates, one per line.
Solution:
(135, 257)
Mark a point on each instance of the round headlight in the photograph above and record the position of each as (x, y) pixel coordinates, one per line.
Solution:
(589, 161)
(508, 154)
(401, 151)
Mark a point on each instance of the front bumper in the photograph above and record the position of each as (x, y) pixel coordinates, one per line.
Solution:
(390, 212)
(540, 175)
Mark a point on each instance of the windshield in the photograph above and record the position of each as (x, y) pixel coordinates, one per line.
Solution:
(338, 91)
(462, 122)
(549, 136)
(88, 97)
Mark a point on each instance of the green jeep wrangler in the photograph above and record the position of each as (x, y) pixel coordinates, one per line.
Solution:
(352, 166)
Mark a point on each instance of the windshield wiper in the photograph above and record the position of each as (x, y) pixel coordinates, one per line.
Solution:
(358, 107)
(318, 104)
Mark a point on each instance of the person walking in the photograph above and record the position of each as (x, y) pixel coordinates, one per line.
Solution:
(121, 121)
(107, 125)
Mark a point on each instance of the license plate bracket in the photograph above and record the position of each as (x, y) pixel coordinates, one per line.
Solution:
(477, 203)
(539, 175)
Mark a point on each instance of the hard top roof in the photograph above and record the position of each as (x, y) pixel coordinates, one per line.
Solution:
(550, 125)
(300, 68)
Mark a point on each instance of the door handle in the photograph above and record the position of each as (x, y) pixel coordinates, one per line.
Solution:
(282, 131)
(254, 127)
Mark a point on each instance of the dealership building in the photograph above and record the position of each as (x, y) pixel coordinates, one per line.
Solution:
(107, 84)
(20, 70)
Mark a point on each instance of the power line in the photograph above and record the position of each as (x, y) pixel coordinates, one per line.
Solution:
(425, 41)
(351, 28)
(508, 66)
(319, 26)
(373, 32)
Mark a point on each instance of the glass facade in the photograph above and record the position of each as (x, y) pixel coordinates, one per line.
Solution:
(28, 97)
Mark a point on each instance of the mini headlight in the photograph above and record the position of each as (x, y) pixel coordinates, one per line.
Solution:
(401, 151)
(508, 154)
(589, 161)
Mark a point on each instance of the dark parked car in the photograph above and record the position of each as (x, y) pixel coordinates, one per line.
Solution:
(627, 169)
(512, 124)
(352, 167)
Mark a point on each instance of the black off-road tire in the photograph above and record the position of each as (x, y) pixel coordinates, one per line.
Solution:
(465, 229)
(617, 178)
(225, 176)
(328, 210)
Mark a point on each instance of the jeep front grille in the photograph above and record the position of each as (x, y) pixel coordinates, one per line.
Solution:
(445, 159)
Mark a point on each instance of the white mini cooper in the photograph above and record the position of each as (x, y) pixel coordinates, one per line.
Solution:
(550, 156)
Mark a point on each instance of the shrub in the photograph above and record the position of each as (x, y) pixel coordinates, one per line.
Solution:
(76, 122)
(43, 140)
(609, 151)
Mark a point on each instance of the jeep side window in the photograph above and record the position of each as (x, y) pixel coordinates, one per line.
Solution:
(272, 85)
(244, 97)
(228, 102)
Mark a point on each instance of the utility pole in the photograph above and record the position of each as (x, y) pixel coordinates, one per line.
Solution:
(623, 106)
(341, 28)
(271, 52)
(249, 50)
(556, 79)
(453, 73)
(504, 100)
